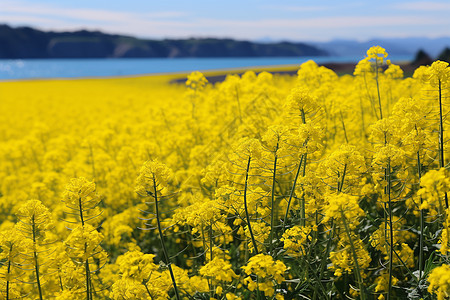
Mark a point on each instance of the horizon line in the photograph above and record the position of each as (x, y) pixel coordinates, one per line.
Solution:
(263, 39)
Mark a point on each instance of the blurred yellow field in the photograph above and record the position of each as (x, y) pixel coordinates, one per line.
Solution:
(258, 187)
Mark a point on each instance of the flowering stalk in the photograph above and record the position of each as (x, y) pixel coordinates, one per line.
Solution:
(355, 256)
(300, 100)
(303, 209)
(34, 220)
(441, 129)
(291, 194)
(35, 256)
(343, 126)
(441, 136)
(378, 88)
(246, 208)
(88, 279)
(9, 272)
(323, 261)
(11, 246)
(391, 229)
(211, 241)
(86, 263)
(341, 183)
(80, 197)
(419, 171)
(161, 236)
(372, 102)
(204, 247)
(272, 210)
(303, 219)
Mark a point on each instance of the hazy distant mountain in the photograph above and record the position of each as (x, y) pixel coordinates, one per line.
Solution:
(397, 46)
(25, 42)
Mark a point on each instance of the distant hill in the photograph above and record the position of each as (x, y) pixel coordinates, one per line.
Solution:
(26, 42)
(394, 46)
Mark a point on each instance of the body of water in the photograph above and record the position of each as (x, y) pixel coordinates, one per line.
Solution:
(72, 68)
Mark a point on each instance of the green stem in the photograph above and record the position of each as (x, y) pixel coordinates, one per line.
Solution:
(211, 242)
(419, 171)
(355, 257)
(205, 251)
(292, 192)
(406, 267)
(316, 290)
(303, 115)
(204, 240)
(441, 129)
(343, 126)
(341, 184)
(191, 242)
(391, 229)
(9, 271)
(211, 256)
(441, 137)
(36, 263)
(272, 210)
(148, 291)
(86, 263)
(372, 102)
(161, 238)
(60, 282)
(324, 259)
(246, 208)
(88, 277)
(303, 212)
(303, 209)
(378, 88)
(80, 207)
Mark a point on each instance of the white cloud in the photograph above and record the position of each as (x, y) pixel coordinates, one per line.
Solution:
(176, 24)
(297, 8)
(325, 28)
(424, 6)
(89, 15)
(327, 22)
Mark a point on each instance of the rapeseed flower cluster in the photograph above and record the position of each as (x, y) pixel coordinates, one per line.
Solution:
(261, 186)
(268, 273)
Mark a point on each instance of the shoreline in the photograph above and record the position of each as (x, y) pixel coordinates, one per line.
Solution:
(340, 69)
(217, 75)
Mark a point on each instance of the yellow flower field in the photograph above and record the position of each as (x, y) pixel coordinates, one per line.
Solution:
(262, 186)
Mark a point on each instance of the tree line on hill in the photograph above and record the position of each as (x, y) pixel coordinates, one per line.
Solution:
(422, 58)
(26, 42)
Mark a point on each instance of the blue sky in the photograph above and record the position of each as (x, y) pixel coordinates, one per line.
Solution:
(299, 20)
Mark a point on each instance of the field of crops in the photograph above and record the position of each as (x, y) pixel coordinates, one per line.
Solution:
(259, 187)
